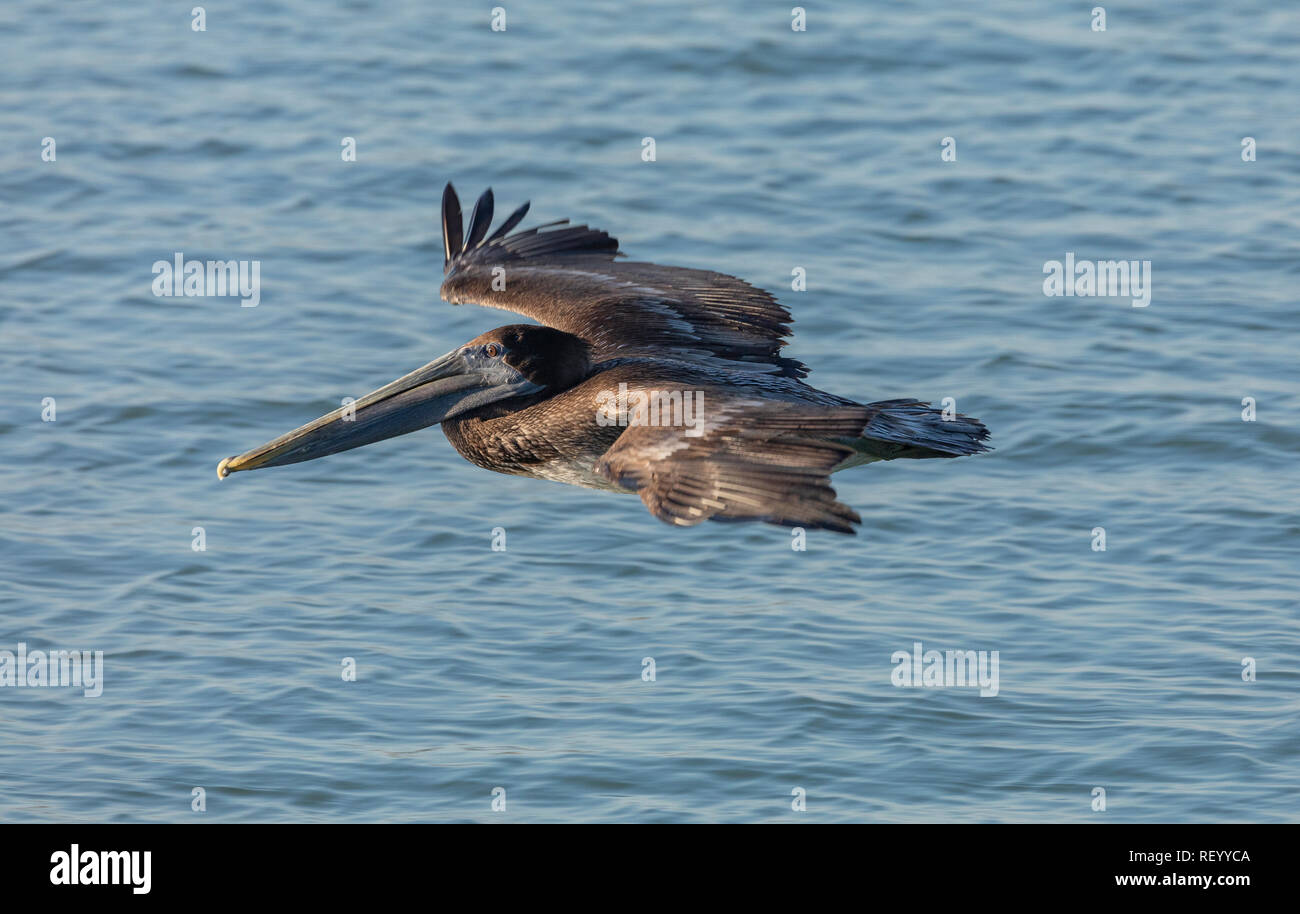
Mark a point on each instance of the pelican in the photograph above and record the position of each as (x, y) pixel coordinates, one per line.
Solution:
(664, 381)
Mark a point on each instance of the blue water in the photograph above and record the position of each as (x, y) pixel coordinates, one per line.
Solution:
(1119, 669)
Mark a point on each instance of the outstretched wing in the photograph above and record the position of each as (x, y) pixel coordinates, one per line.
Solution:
(755, 460)
(567, 277)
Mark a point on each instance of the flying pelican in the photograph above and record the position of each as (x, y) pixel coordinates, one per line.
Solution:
(739, 437)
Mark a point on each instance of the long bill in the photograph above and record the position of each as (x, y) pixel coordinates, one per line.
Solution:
(445, 388)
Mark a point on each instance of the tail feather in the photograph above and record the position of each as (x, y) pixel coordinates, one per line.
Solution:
(912, 428)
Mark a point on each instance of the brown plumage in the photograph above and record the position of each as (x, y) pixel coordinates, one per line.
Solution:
(725, 429)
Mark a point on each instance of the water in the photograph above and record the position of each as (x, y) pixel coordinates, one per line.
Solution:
(479, 669)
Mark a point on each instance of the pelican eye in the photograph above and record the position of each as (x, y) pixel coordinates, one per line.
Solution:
(492, 350)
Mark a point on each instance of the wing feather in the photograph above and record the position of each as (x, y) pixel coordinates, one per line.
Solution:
(480, 220)
(452, 241)
(566, 277)
(756, 460)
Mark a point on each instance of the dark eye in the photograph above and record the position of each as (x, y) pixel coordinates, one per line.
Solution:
(492, 350)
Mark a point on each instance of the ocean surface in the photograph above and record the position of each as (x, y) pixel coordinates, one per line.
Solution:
(773, 687)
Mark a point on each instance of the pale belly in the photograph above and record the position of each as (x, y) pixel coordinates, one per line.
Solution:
(570, 474)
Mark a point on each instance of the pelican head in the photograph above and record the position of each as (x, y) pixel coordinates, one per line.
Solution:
(508, 363)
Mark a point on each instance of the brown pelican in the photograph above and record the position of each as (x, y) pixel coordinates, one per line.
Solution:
(664, 381)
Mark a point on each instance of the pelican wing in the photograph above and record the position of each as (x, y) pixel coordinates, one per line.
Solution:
(566, 277)
(755, 460)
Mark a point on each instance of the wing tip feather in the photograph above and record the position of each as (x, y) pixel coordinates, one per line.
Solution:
(452, 237)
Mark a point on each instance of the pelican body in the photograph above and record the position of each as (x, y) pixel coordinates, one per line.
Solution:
(663, 381)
